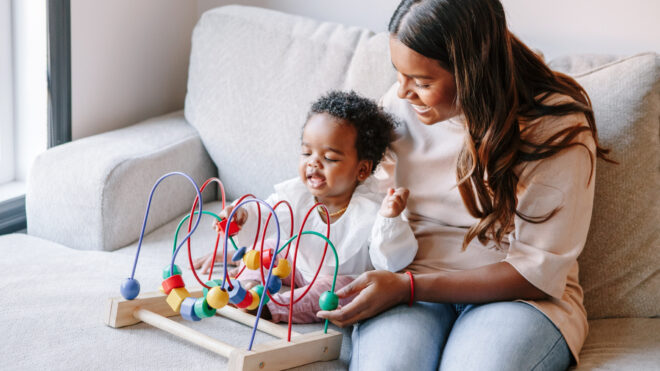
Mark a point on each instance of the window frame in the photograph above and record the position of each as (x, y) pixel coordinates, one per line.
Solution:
(58, 14)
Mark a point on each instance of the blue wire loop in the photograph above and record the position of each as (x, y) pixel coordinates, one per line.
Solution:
(270, 269)
(146, 215)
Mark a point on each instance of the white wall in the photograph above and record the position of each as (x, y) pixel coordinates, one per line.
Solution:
(130, 58)
(129, 61)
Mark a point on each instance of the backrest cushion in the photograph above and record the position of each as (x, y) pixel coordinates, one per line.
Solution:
(253, 76)
(619, 267)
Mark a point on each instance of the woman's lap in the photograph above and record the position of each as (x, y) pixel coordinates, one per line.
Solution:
(428, 336)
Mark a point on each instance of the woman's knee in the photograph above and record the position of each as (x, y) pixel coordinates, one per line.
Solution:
(505, 336)
(402, 338)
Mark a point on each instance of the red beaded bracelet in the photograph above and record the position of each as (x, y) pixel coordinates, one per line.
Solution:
(412, 288)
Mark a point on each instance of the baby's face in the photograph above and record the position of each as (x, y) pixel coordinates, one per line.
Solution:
(329, 164)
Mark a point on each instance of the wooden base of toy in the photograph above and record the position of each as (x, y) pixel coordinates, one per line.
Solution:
(152, 308)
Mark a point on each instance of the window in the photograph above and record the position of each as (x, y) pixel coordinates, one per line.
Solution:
(23, 103)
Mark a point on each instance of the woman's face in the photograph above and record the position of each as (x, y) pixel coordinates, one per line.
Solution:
(430, 89)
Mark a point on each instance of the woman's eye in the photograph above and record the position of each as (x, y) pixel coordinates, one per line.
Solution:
(421, 86)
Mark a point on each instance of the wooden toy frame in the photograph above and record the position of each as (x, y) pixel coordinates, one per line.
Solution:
(276, 355)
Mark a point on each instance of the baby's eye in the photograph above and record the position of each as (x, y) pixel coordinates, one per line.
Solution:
(331, 159)
(305, 154)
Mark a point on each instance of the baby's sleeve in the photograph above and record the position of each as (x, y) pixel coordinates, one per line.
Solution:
(393, 245)
(544, 252)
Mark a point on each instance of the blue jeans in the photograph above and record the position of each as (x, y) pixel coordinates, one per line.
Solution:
(436, 336)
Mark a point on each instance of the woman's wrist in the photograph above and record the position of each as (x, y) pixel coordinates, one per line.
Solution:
(404, 288)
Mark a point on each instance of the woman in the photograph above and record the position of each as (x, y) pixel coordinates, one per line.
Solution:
(498, 153)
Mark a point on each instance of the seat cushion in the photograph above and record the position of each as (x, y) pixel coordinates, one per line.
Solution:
(619, 267)
(622, 344)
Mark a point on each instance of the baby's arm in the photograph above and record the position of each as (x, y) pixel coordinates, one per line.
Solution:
(393, 245)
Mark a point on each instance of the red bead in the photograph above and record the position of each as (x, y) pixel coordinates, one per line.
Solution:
(268, 257)
(233, 227)
(173, 282)
(246, 301)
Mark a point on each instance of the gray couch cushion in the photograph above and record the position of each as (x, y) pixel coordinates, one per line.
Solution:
(619, 268)
(253, 76)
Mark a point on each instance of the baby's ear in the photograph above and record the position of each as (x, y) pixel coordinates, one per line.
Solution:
(364, 169)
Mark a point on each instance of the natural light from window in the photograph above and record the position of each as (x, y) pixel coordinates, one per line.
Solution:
(23, 92)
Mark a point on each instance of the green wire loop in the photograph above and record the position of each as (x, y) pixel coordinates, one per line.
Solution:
(334, 278)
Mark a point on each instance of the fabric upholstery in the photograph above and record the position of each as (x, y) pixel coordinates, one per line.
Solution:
(87, 194)
(620, 264)
(249, 104)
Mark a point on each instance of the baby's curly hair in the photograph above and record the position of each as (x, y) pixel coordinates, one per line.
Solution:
(375, 127)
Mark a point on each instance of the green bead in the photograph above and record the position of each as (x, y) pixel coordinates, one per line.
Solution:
(202, 308)
(328, 301)
(259, 289)
(211, 283)
(166, 271)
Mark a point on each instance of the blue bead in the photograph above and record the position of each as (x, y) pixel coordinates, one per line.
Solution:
(130, 288)
(238, 255)
(188, 309)
(275, 284)
(237, 294)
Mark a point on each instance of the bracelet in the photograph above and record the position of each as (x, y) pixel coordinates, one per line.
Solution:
(412, 288)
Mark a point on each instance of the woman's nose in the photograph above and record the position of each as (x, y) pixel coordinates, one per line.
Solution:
(403, 91)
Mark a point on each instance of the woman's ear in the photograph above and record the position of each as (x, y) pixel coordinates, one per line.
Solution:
(364, 170)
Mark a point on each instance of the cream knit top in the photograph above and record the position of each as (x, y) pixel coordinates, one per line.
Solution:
(423, 158)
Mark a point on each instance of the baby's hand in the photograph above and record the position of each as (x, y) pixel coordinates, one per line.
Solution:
(394, 202)
(240, 216)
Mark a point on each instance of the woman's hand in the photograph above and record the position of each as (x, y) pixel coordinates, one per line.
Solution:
(377, 291)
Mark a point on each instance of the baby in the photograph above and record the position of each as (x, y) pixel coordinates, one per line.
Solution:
(343, 140)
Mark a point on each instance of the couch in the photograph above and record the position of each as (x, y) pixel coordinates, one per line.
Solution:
(253, 73)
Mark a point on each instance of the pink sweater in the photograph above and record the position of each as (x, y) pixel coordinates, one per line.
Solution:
(423, 159)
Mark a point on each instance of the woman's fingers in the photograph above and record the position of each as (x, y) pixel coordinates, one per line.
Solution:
(377, 292)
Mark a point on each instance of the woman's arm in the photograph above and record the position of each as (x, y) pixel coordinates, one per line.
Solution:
(381, 290)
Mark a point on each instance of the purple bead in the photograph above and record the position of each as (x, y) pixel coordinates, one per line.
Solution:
(188, 309)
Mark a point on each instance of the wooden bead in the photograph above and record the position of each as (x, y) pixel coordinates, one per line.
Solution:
(259, 289)
(130, 288)
(268, 258)
(188, 309)
(217, 297)
(246, 302)
(251, 260)
(237, 294)
(172, 283)
(166, 271)
(202, 308)
(282, 269)
(238, 255)
(255, 300)
(233, 227)
(176, 297)
(274, 285)
(211, 284)
(328, 301)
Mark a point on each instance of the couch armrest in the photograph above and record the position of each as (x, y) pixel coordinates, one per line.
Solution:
(91, 194)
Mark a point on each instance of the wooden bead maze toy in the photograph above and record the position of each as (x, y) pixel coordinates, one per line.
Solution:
(291, 350)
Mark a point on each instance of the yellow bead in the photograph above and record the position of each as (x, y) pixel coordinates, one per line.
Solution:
(251, 259)
(176, 297)
(217, 297)
(283, 269)
(255, 300)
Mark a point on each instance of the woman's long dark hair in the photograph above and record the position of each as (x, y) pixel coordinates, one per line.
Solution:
(500, 84)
